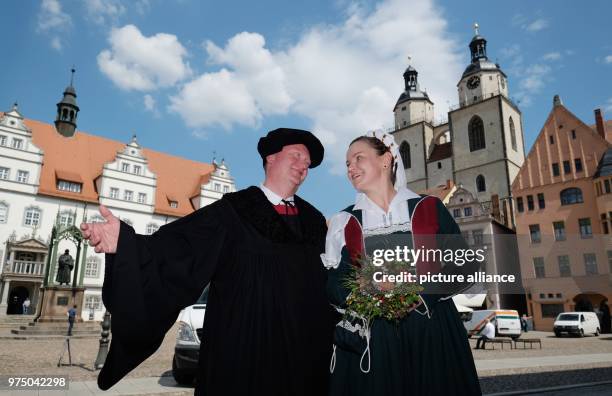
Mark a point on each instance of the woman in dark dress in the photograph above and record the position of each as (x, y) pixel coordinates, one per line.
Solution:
(426, 352)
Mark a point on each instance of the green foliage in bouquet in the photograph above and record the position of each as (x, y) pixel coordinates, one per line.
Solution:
(371, 300)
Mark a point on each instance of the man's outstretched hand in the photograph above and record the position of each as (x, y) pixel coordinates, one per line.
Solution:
(102, 236)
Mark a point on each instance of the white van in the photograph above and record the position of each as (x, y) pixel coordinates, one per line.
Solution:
(506, 321)
(188, 340)
(578, 323)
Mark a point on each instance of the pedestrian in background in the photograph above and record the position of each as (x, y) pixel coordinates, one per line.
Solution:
(71, 317)
(488, 333)
(26, 306)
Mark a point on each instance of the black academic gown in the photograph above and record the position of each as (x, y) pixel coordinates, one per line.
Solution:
(268, 324)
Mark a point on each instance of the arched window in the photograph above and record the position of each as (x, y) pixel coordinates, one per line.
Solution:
(64, 114)
(480, 183)
(3, 212)
(512, 134)
(405, 153)
(476, 134)
(571, 196)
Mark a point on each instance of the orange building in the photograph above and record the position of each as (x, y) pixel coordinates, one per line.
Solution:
(564, 209)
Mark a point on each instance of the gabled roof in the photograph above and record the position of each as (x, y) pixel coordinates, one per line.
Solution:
(588, 146)
(83, 156)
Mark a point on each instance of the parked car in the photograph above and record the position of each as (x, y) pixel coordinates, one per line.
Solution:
(506, 321)
(188, 339)
(577, 323)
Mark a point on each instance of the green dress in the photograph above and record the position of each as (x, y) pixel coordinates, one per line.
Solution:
(425, 353)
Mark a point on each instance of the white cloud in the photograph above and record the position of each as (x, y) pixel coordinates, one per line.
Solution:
(608, 105)
(608, 59)
(51, 19)
(150, 105)
(551, 56)
(137, 62)
(537, 25)
(104, 11)
(344, 78)
(535, 77)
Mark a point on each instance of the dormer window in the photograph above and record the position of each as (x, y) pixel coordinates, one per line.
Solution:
(173, 204)
(217, 187)
(17, 144)
(125, 167)
(137, 169)
(225, 189)
(65, 185)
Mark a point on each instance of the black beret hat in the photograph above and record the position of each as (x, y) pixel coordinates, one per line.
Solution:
(275, 140)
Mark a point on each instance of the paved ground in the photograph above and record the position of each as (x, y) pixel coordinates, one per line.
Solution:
(563, 361)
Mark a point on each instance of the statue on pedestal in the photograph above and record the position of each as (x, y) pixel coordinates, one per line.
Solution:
(65, 265)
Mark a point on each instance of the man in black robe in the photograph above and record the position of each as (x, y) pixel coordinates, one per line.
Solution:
(268, 325)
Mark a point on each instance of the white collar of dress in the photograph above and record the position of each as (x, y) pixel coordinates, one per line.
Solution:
(362, 202)
(273, 197)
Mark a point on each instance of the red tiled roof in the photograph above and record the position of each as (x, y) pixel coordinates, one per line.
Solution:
(80, 158)
(441, 151)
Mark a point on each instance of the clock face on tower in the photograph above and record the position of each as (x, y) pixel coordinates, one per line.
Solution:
(473, 82)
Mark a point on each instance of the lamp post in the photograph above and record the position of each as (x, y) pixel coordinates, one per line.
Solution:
(103, 350)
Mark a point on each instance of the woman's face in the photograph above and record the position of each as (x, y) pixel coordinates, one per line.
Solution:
(365, 168)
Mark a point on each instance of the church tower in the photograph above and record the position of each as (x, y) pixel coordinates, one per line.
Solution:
(414, 114)
(67, 110)
(486, 132)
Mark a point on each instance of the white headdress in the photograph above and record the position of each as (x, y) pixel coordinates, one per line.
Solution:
(389, 141)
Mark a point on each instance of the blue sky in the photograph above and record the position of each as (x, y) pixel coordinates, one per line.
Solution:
(192, 77)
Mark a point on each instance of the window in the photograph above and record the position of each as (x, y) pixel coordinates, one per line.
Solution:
(4, 173)
(142, 198)
(467, 211)
(2, 140)
(590, 264)
(3, 212)
(439, 165)
(559, 228)
(519, 205)
(567, 167)
(585, 228)
(551, 139)
(93, 302)
(151, 228)
(66, 218)
(405, 154)
(217, 187)
(598, 188)
(534, 232)
(512, 134)
(538, 267)
(125, 167)
(92, 267)
(476, 134)
(225, 189)
(456, 212)
(478, 238)
(137, 169)
(480, 183)
(564, 266)
(607, 186)
(32, 217)
(571, 196)
(22, 176)
(578, 164)
(17, 143)
(604, 224)
(403, 108)
(541, 202)
(128, 195)
(173, 204)
(65, 185)
(551, 310)
(114, 193)
(530, 205)
(555, 169)
(573, 134)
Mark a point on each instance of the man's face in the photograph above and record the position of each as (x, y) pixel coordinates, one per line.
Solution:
(289, 165)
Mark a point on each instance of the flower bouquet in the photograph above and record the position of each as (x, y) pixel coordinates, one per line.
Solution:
(370, 299)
